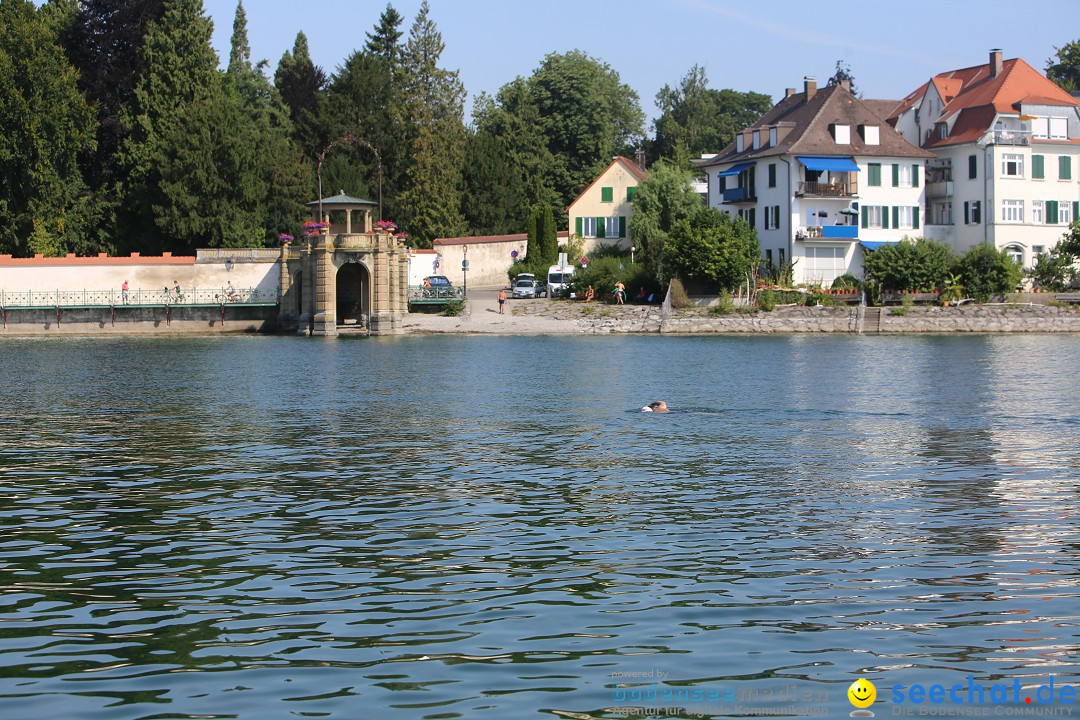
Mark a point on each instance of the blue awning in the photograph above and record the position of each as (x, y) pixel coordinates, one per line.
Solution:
(874, 244)
(834, 164)
(734, 169)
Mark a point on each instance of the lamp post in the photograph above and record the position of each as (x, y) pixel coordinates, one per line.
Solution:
(633, 249)
(465, 269)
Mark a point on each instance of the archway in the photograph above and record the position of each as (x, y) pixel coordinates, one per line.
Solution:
(353, 294)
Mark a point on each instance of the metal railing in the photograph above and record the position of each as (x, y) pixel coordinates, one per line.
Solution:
(116, 298)
(828, 189)
(1010, 137)
(435, 294)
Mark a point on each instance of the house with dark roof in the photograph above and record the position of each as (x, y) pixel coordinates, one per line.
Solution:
(601, 212)
(821, 176)
(1005, 141)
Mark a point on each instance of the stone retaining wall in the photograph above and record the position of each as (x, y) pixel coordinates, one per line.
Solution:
(601, 318)
(129, 320)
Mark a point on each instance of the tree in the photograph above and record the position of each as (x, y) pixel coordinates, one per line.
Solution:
(492, 196)
(385, 41)
(300, 83)
(181, 73)
(663, 199)
(1054, 271)
(1066, 70)
(433, 102)
(909, 265)
(695, 118)
(712, 248)
(842, 73)
(45, 124)
(985, 271)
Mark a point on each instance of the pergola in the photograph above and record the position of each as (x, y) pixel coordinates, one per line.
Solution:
(341, 201)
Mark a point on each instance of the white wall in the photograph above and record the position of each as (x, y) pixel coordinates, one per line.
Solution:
(422, 264)
(21, 278)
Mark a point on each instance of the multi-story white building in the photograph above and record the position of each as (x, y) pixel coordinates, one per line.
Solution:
(1007, 145)
(821, 176)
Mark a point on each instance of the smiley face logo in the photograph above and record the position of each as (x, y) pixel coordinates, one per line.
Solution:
(862, 693)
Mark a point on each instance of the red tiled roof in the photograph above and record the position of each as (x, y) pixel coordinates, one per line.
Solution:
(631, 167)
(974, 98)
(478, 239)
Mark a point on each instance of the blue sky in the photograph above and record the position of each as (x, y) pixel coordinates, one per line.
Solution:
(891, 47)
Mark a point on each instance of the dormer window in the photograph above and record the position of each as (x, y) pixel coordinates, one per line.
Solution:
(772, 137)
(842, 134)
(871, 134)
(740, 143)
(757, 139)
(942, 131)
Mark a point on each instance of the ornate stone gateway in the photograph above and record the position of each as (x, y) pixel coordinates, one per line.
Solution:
(338, 279)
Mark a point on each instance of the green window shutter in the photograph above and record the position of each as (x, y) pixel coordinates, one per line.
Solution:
(967, 212)
(622, 226)
(865, 216)
(915, 176)
(607, 194)
(896, 175)
(885, 217)
(1064, 167)
(600, 227)
(772, 175)
(896, 216)
(1051, 212)
(1037, 167)
(973, 167)
(976, 212)
(577, 226)
(875, 174)
(915, 217)
(631, 192)
(1076, 210)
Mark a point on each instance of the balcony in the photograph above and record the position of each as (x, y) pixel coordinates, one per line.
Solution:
(1009, 137)
(940, 188)
(828, 232)
(737, 195)
(839, 189)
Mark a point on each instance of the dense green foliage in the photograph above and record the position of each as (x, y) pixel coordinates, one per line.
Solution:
(1054, 271)
(712, 249)
(602, 273)
(986, 272)
(909, 265)
(664, 199)
(1064, 67)
(695, 118)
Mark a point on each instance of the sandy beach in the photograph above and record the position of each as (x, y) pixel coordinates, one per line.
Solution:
(482, 318)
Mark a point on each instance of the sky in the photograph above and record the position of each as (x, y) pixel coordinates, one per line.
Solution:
(890, 47)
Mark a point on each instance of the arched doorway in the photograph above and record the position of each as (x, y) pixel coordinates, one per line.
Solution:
(1016, 253)
(353, 295)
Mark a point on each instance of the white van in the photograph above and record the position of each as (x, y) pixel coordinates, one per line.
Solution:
(559, 279)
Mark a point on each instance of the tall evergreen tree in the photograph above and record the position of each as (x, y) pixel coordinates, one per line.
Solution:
(239, 47)
(433, 103)
(181, 72)
(385, 41)
(44, 124)
(492, 198)
(300, 83)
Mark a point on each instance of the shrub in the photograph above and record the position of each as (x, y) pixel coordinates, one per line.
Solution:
(724, 305)
(907, 301)
(815, 299)
(909, 265)
(1053, 272)
(454, 308)
(901, 311)
(985, 272)
(847, 282)
(766, 300)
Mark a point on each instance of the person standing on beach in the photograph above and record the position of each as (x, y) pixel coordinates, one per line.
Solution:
(502, 300)
(124, 291)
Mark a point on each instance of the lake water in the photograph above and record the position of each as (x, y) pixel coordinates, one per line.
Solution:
(456, 527)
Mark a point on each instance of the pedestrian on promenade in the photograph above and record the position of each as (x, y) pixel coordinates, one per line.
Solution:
(502, 300)
(176, 289)
(620, 292)
(124, 291)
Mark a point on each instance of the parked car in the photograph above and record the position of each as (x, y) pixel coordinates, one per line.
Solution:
(524, 288)
(438, 281)
(539, 289)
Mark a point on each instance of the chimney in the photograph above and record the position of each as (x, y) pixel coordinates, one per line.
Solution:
(846, 84)
(788, 92)
(810, 87)
(995, 62)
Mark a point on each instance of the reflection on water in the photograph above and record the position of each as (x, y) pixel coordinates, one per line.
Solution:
(443, 527)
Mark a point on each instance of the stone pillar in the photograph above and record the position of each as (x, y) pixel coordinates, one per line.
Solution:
(380, 322)
(325, 287)
(284, 286)
(348, 221)
(307, 291)
(367, 221)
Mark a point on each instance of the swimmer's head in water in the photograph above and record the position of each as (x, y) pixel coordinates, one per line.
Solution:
(656, 406)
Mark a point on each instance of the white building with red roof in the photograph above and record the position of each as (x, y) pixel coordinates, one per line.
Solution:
(1006, 141)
